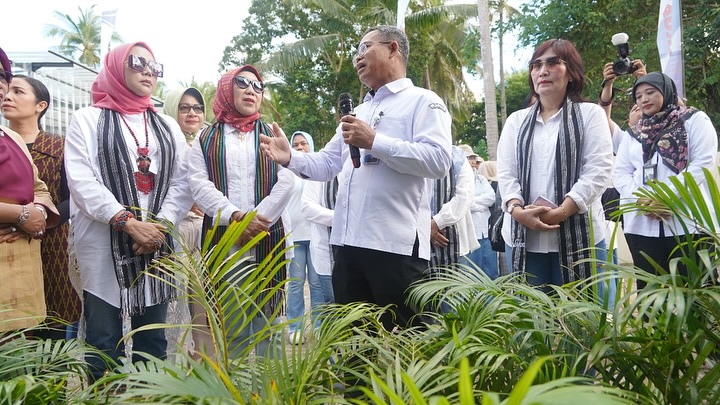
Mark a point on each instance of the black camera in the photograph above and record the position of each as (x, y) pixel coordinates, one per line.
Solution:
(624, 65)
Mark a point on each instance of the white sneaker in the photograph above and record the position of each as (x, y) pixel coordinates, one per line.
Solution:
(296, 337)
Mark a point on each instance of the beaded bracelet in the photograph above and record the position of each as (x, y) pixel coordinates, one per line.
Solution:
(122, 220)
(564, 212)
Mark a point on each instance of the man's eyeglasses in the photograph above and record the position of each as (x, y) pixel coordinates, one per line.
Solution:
(363, 47)
(549, 63)
(243, 82)
(185, 108)
(138, 64)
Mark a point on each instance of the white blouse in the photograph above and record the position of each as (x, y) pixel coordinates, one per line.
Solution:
(628, 176)
(594, 175)
(92, 205)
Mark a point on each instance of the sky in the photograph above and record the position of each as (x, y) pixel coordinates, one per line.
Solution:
(188, 38)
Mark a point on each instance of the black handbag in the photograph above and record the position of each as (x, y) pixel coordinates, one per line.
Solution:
(495, 224)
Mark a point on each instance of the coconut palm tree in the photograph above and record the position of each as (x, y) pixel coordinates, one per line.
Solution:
(503, 9)
(436, 31)
(491, 124)
(80, 38)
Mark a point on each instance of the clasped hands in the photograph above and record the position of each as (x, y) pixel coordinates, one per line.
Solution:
(654, 209)
(147, 237)
(539, 218)
(33, 228)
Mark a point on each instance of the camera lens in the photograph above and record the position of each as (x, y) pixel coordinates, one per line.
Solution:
(621, 67)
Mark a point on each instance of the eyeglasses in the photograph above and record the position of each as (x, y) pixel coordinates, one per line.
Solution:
(243, 82)
(185, 108)
(4, 75)
(301, 143)
(549, 63)
(138, 64)
(363, 47)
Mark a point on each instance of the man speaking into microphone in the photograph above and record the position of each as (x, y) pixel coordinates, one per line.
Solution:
(381, 226)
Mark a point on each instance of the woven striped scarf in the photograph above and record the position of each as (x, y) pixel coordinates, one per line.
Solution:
(574, 231)
(330, 190)
(116, 170)
(443, 192)
(212, 142)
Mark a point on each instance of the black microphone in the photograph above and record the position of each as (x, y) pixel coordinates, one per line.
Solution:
(346, 108)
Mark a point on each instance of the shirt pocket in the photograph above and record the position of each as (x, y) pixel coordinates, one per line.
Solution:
(393, 126)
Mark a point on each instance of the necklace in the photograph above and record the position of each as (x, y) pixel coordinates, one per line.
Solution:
(144, 180)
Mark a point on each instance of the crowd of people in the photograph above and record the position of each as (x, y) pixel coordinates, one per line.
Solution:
(124, 175)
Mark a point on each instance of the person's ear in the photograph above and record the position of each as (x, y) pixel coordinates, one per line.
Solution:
(41, 106)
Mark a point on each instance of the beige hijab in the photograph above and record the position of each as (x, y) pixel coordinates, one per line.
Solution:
(488, 169)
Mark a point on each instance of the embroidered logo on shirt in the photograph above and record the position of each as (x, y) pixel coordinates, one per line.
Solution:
(438, 106)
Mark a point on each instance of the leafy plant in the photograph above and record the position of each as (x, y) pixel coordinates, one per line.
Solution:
(34, 371)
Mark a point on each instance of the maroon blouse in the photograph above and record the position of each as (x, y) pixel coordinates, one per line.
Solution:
(17, 180)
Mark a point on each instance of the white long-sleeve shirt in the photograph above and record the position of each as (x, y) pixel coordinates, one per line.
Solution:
(483, 199)
(594, 175)
(299, 226)
(92, 205)
(240, 150)
(384, 204)
(628, 176)
(457, 211)
(320, 218)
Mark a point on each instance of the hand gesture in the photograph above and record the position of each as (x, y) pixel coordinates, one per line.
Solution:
(276, 147)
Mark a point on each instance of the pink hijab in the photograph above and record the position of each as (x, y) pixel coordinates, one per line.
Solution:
(109, 89)
(224, 103)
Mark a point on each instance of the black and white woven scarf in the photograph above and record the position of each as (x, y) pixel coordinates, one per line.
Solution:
(117, 170)
(329, 192)
(443, 192)
(574, 231)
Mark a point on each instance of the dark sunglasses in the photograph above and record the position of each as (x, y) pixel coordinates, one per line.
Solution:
(243, 82)
(5, 75)
(185, 108)
(138, 64)
(549, 63)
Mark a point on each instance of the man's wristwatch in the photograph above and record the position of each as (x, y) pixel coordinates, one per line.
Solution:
(24, 215)
(511, 207)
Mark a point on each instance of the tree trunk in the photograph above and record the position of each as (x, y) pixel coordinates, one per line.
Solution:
(491, 122)
(426, 78)
(501, 32)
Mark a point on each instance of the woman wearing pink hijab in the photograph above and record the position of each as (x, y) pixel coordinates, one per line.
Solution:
(125, 167)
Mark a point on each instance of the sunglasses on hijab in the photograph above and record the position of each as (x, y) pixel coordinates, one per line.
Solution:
(138, 64)
(243, 82)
